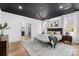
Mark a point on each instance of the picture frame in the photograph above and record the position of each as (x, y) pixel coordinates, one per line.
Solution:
(54, 23)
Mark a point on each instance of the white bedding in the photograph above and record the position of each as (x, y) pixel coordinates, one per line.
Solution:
(44, 37)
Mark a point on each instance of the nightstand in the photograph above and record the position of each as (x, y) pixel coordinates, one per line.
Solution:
(67, 38)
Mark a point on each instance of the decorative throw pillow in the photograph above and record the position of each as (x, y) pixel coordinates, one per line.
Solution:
(54, 33)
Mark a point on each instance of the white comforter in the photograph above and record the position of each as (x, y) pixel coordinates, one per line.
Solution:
(44, 37)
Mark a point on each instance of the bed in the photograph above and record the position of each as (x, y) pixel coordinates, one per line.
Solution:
(55, 33)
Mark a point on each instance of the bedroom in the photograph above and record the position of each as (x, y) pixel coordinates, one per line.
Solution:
(59, 23)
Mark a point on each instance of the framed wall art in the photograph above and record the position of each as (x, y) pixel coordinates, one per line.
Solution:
(54, 23)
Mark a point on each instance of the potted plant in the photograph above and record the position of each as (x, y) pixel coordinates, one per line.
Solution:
(3, 27)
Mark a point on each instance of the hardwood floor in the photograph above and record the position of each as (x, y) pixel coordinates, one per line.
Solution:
(16, 49)
(25, 37)
(77, 49)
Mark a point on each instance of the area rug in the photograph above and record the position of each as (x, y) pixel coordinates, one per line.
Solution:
(38, 49)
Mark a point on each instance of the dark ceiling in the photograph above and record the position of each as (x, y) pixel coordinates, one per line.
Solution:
(41, 11)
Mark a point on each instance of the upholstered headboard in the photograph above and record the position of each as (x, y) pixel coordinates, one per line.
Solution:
(60, 30)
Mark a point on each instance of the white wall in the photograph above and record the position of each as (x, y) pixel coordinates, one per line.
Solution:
(14, 21)
(77, 27)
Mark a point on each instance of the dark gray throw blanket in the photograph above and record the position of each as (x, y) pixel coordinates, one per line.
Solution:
(54, 39)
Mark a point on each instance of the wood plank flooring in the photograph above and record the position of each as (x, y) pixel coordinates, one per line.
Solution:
(77, 49)
(16, 49)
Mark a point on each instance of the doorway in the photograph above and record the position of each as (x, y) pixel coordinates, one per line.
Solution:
(25, 31)
(29, 30)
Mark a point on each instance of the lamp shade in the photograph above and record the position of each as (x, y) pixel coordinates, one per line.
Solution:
(71, 28)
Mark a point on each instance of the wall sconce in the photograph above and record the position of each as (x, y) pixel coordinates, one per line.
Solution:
(45, 30)
(23, 24)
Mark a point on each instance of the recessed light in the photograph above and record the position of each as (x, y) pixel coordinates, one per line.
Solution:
(61, 7)
(20, 7)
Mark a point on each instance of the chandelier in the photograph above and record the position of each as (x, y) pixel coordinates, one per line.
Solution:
(41, 13)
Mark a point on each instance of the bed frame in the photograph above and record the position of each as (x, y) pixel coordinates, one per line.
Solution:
(56, 29)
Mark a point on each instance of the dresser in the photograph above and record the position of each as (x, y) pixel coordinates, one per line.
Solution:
(3, 45)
